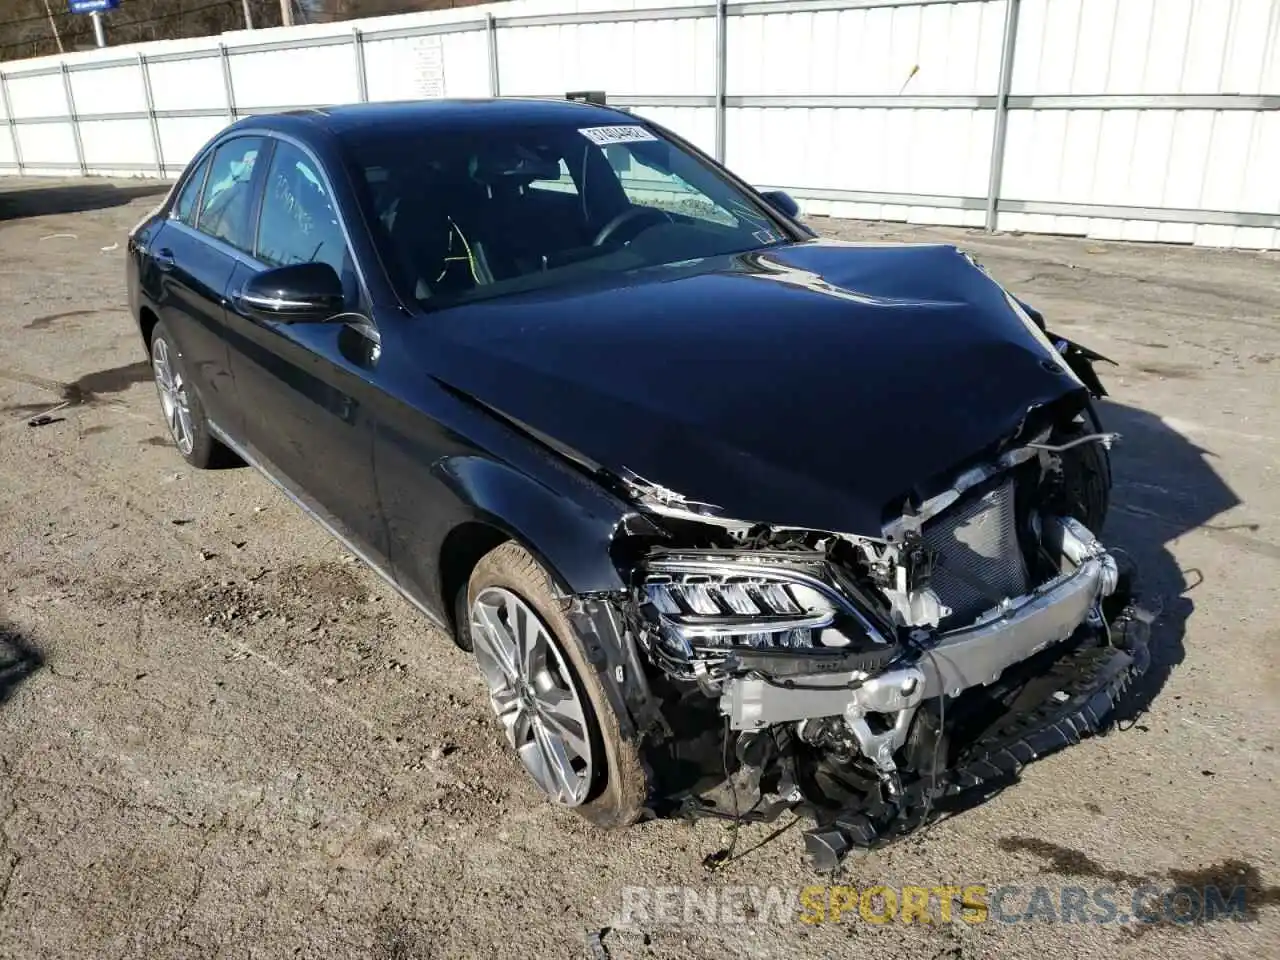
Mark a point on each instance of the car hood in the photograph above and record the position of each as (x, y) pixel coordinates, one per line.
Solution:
(813, 385)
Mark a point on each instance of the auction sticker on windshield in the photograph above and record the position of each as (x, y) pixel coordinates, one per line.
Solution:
(603, 136)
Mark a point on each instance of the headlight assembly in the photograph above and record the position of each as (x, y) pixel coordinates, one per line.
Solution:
(716, 601)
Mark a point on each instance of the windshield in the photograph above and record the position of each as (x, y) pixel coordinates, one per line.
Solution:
(480, 213)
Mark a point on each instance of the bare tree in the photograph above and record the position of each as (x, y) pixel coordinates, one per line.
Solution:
(26, 30)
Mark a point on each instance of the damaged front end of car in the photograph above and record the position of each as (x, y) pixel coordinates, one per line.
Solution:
(864, 681)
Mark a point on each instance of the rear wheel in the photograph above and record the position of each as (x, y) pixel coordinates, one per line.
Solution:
(183, 412)
(546, 695)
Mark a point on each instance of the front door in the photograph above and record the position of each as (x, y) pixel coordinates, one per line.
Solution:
(306, 388)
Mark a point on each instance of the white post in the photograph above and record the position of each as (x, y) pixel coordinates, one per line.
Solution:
(1001, 131)
(150, 97)
(248, 15)
(286, 12)
(99, 35)
(491, 37)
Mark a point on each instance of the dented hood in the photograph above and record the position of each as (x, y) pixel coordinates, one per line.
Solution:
(809, 385)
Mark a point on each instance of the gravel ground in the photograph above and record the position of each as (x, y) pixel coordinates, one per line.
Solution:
(222, 737)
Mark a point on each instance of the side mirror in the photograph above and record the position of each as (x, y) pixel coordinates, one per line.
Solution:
(296, 293)
(781, 200)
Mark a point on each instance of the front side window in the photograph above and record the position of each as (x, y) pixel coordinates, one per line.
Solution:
(472, 214)
(226, 209)
(184, 210)
(298, 223)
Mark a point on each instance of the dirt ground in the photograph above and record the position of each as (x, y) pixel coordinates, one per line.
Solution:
(220, 736)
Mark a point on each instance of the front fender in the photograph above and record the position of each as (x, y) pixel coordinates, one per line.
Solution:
(570, 534)
(1079, 359)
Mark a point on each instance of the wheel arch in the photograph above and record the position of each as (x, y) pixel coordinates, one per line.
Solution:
(569, 535)
(147, 320)
(462, 549)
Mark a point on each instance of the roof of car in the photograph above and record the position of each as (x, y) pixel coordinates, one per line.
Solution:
(452, 114)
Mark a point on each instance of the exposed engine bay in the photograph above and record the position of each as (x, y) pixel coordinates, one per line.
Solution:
(862, 681)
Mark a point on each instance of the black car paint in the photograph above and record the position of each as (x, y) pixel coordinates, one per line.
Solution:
(413, 433)
(192, 274)
(809, 385)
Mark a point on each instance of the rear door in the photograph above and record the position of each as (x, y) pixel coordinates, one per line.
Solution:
(196, 252)
(307, 387)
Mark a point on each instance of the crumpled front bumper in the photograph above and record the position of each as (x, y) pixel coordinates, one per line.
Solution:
(963, 658)
(979, 653)
(959, 659)
(1088, 684)
(1054, 650)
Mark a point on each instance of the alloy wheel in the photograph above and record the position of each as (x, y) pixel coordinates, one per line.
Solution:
(173, 397)
(533, 694)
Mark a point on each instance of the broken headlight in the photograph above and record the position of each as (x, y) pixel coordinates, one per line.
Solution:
(715, 602)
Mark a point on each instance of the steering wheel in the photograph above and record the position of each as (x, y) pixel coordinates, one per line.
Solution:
(627, 216)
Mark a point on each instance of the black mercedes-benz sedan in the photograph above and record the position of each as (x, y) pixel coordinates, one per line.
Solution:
(735, 521)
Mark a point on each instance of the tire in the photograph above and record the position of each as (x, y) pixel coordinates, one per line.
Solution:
(615, 790)
(180, 405)
(1086, 478)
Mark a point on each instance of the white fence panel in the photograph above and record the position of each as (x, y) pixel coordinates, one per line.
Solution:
(188, 84)
(116, 144)
(645, 58)
(1137, 119)
(921, 151)
(51, 146)
(1190, 151)
(937, 49)
(695, 124)
(108, 90)
(466, 65)
(407, 68)
(181, 137)
(39, 96)
(304, 76)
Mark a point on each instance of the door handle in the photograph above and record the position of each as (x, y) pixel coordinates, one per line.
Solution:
(237, 302)
(164, 259)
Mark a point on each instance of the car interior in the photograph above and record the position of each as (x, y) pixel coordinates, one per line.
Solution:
(475, 219)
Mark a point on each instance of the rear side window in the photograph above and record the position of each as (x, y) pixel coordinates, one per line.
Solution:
(185, 209)
(226, 209)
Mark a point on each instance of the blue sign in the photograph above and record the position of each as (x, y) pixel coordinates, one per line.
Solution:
(92, 6)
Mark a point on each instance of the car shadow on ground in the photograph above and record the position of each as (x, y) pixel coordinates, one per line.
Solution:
(1164, 487)
(36, 200)
(19, 658)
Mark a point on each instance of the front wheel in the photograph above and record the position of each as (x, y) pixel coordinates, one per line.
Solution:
(1086, 477)
(546, 695)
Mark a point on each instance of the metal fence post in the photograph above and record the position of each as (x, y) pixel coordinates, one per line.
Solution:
(13, 127)
(1000, 133)
(226, 82)
(722, 74)
(151, 113)
(362, 78)
(75, 120)
(491, 35)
